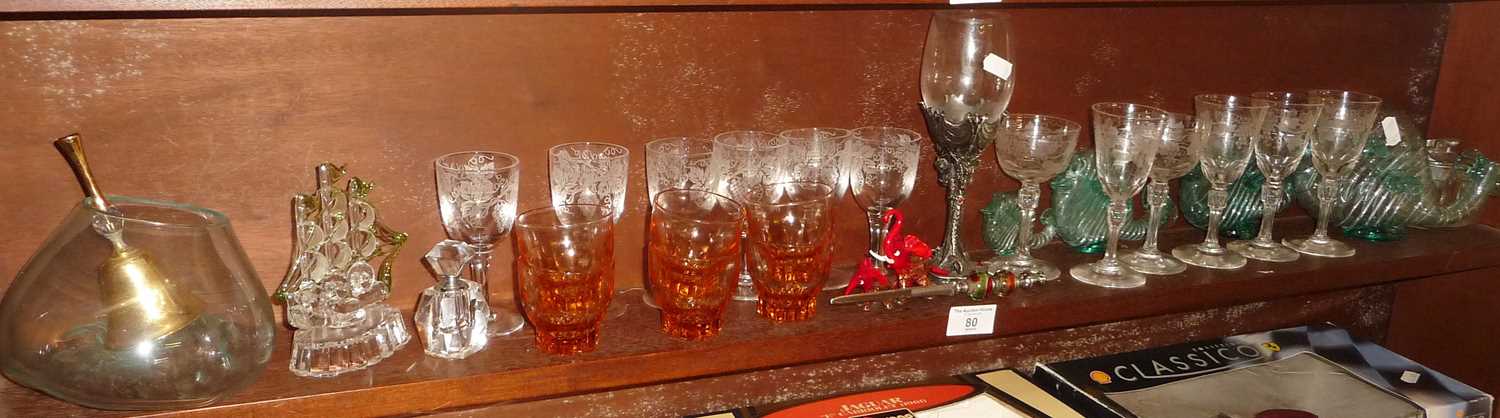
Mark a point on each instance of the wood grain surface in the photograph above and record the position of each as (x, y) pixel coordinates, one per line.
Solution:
(233, 113)
(632, 353)
(72, 8)
(1468, 93)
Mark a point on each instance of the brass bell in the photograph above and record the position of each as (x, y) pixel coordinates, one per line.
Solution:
(141, 303)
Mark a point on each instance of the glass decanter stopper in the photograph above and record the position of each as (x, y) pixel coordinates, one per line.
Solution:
(446, 315)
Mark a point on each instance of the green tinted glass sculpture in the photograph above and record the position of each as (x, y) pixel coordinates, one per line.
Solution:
(1002, 223)
(1079, 209)
(1241, 216)
(1410, 183)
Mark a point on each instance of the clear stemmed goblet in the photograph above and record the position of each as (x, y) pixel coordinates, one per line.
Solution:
(676, 163)
(1032, 149)
(1228, 128)
(741, 161)
(590, 173)
(966, 86)
(817, 155)
(1176, 155)
(477, 200)
(1336, 144)
(1125, 140)
(1283, 139)
(882, 168)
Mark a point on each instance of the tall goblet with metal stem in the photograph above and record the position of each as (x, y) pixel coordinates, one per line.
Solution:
(816, 155)
(1125, 139)
(966, 86)
(676, 163)
(1229, 127)
(1337, 142)
(477, 200)
(1032, 149)
(1283, 139)
(882, 168)
(1176, 155)
(742, 161)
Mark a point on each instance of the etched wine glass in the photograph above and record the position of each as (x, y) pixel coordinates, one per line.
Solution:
(1229, 125)
(1032, 149)
(966, 84)
(817, 155)
(1337, 142)
(882, 169)
(1125, 139)
(592, 173)
(1283, 139)
(741, 161)
(675, 163)
(1175, 157)
(477, 202)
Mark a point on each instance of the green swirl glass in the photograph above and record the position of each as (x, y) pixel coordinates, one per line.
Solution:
(1079, 212)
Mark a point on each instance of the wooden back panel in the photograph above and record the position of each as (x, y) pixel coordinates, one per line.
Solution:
(233, 113)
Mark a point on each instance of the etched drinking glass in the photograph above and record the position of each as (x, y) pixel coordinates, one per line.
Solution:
(566, 261)
(1229, 126)
(589, 173)
(743, 160)
(817, 155)
(1032, 149)
(1125, 139)
(882, 169)
(1283, 139)
(1176, 155)
(1337, 142)
(675, 163)
(791, 237)
(477, 201)
(694, 259)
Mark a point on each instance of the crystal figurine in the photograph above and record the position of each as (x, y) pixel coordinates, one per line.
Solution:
(333, 292)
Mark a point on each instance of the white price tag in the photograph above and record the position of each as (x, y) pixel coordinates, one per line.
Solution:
(993, 64)
(972, 1)
(971, 320)
(1392, 131)
(1410, 376)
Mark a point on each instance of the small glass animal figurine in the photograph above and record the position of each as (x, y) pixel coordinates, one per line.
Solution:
(452, 316)
(333, 291)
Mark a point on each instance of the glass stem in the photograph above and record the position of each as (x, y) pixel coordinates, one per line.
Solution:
(1111, 262)
(1156, 198)
(479, 267)
(1325, 207)
(1270, 198)
(877, 232)
(1218, 198)
(1027, 198)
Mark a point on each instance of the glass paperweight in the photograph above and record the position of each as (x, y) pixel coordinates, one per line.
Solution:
(1241, 215)
(333, 291)
(136, 304)
(1079, 212)
(452, 316)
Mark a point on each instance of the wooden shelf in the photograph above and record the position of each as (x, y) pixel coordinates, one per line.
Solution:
(482, 6)
(632, 353)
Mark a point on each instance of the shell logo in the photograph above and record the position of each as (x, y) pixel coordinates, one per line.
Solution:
(1100, 377)
(1271, 346)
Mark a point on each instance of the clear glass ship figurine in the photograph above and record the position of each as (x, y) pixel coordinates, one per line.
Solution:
(453, 315)
(333, 291)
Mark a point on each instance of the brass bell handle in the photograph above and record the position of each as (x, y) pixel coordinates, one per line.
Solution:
(71, 148)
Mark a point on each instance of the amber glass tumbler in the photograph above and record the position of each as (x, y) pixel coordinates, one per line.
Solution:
(566, 260)
(695, 259)
(791, 238)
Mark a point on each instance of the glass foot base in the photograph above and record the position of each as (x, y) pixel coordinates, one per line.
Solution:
(1275, 253)
(1123, 278)
(1222, 259)
(1319, 248)
(746, 290)
(649, 299)
(1027, 268)
(505, 322)
(1153, 263)
(838, 278)
(328, 352)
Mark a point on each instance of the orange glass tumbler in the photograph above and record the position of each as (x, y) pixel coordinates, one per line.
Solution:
(695, 259)
(791, 246)
(566, 273)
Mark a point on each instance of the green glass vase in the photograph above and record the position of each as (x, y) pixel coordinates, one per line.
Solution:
(1241, 217)
(1079, 209)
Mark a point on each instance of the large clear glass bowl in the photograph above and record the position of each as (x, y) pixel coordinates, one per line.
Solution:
(53, 321)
